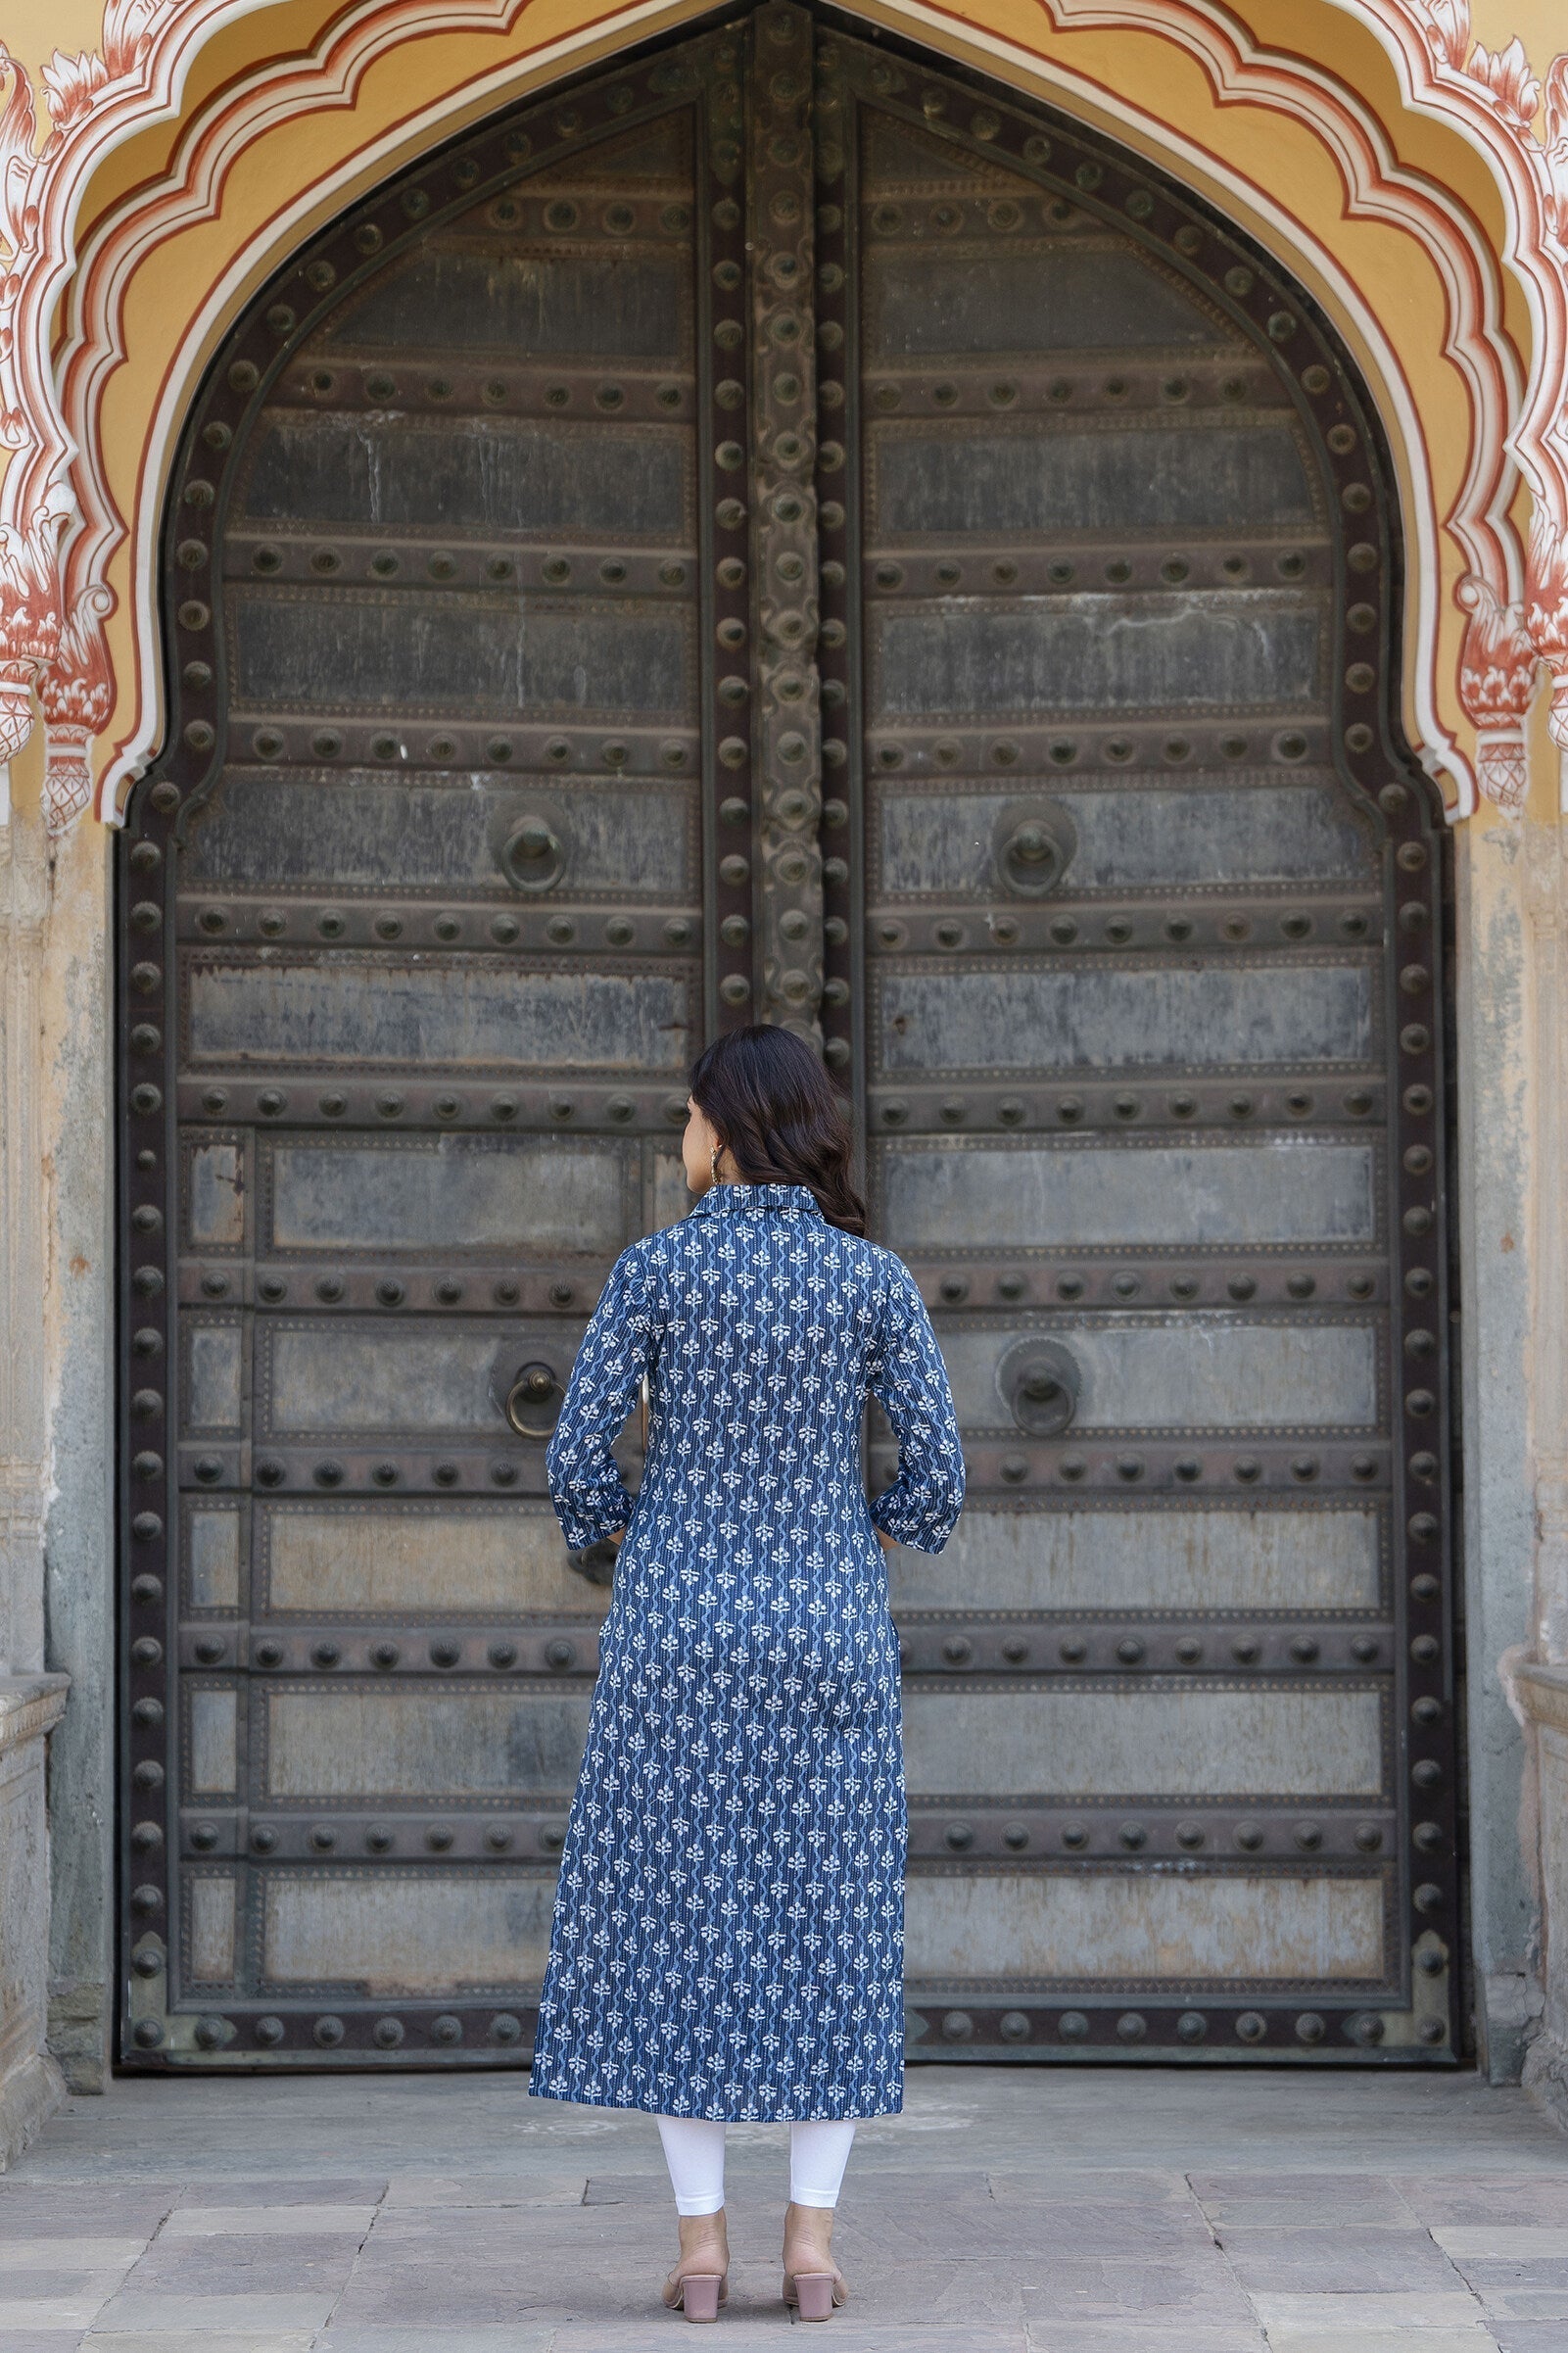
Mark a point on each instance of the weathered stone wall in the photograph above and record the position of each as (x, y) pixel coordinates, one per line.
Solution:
(30, 1700)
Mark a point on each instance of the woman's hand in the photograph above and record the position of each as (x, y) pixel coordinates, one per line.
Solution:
(616, 1538)
(887, 1543)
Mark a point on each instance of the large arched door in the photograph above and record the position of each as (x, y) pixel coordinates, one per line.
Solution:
(780, 531)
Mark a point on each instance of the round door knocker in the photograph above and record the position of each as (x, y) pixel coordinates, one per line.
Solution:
(531, 857)
(1041, 1380)
(531, 1391)
(1033, 844)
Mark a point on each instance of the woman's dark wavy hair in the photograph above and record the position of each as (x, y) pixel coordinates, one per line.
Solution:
(774, 1106)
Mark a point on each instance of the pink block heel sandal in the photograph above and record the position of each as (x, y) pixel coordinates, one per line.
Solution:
(815, 2292)
(698, 2295)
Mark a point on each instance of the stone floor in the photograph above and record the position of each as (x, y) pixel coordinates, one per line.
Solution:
(1065, 2211)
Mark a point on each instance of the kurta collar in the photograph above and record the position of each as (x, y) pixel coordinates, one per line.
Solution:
(729, 1199)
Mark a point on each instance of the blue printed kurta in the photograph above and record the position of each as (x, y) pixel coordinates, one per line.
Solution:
(728, 1937)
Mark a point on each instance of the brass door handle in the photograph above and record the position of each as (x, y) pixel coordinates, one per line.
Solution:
(533, 1388)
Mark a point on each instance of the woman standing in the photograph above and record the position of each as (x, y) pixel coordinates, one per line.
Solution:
(728, 1940)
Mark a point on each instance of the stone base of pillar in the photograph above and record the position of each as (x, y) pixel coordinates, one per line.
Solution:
(30, 2084)
(1543, 1694)
(1545, 2077)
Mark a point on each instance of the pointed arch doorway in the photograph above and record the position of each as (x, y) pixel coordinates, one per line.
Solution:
(777, 530)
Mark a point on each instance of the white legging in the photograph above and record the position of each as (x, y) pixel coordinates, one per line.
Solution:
(693, 2151)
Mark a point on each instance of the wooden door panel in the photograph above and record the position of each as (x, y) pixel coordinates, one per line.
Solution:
(778, 531)
(1144, 1095)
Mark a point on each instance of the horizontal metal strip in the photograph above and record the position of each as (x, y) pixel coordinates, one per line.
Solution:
(433, 384)
(959, 1647)
(559, 563)
(997, 1469)
(539, 1277)
(408, 1100)
(352, 1835)
(215, 1467)
(348, 1833)
(401, 745)
(399, 741)
(391, 1649)
(304, 2033)
(955, 1648)
(397, 2035)
(1213, 386)
(1094, 1103)
(612, 929)
(900, 924)
(1103, 741)
(1334, 2034)
(909, 568)
(1266, 1465)
(1105, 1831)
(1012, 1279)
(552, 1287)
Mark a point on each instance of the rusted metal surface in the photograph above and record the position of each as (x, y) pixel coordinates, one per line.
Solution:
(775, 529)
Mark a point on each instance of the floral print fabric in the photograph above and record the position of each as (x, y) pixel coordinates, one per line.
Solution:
(728, 1937)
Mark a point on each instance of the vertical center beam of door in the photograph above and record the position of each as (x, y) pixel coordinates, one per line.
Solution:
(789, 725)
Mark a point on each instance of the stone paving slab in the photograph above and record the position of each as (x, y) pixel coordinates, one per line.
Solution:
(1478, 2199)
(261, 2221)
(201, 2341)
(1463, 2337)
(163, 2313)
(65, 2254)
(56, 2312)
(1512, 2242)
(1304, 2201)
(1336, 2261)
(1444, 2308)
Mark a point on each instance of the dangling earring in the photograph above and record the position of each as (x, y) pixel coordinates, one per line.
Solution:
(713, 1165)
